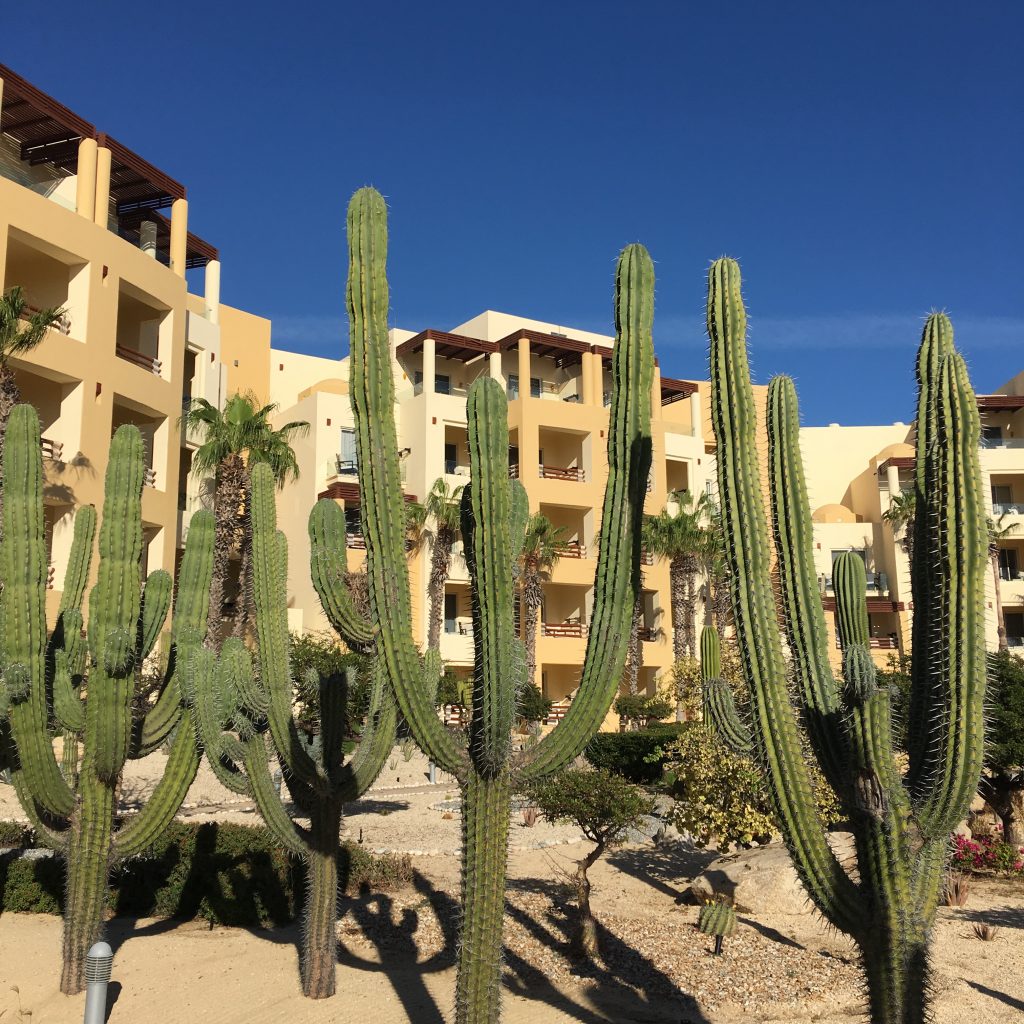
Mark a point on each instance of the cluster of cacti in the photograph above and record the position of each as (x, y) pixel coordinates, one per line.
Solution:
(494, 517)
(42, 676)
(900, 824)
(717, 919)
(245, 718)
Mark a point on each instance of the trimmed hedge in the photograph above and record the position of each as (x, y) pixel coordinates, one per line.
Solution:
(625, 753)
(226, 874)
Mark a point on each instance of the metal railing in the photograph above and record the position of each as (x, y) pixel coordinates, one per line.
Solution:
(559, 709)
(51, 449)
(648, 634)
(62, 324)
(354, 540)
(877, 583)
(879, 643)
(140, 359)
(571, 627)
(149, 478)
(571, 549)
(346, 467)
(563, 473)
(1008, 508)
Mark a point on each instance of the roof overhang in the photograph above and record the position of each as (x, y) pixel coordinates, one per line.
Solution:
(565, 351)
(672, 389)
(448, 346)
(879, 605)
(349, 493)
(1000, 403)
(197, 251)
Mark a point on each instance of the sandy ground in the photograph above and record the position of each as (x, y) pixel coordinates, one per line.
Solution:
(396, 951)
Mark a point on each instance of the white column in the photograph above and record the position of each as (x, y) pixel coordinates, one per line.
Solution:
(85, 179)
(495, 368)
(212, 279)
(147, 238)
(695, 417)
(892, 474)
(429, 359)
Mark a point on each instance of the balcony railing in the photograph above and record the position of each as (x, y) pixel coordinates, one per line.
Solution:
(1002, 442)
(1008, 508)
(571, 627)
(52, 449)
(139, 359)
(149, 478)
(571, 549)
(879, 643)
(649, 634)
(559, 473)
(458, 627)
(354, 540)
(877, 583)
(455, 716)
(61, 324)
(453, 468)
(559, 709)
(346, 467)
(513, 471)
(51, 573)
(1015, 641)
(646, 558)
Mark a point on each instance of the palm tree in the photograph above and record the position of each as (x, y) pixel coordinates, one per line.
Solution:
(235, 440)
(631, 671)
(541, 550)
(682, 538)
(996, 533)
(16, 340)
(900, 516)
(716, 568)
(442, 508)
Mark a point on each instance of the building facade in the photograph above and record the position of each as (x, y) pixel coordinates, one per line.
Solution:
(81, 227)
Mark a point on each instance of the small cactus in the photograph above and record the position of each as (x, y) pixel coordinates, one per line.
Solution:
(73, 810)
(717, 919)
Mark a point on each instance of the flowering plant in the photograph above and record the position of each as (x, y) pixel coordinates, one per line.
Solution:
(986, 853)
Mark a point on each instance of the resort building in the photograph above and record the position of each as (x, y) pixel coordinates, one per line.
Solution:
(91, 226)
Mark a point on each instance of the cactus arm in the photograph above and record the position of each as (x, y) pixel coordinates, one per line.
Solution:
(947, 780)
(373, 399)
(748, 553)
(803, 614)
(376, 743)
(617, 579)
(849, 581)
(721, 714)
(270, 566)
(710, 654)
(156, 600)
(79, 559)
(68, 708)
(148, 825)
(23, 565)
(328, 565)
(490, 555)
(53, 838)
(213, 712)
(114, 609)
(268, 801)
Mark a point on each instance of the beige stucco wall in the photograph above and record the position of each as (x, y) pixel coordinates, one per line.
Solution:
(245, 350)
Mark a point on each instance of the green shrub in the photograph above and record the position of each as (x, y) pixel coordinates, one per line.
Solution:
(720, 795)
(630, 754)
(531, 704)
(13, 833)
(226, 874)
(641, 709)
(322, 653)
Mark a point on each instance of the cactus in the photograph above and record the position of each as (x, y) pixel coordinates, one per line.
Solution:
(900, 823)
(494, 515)
(244, 720)
(74, 811)
(717, 919)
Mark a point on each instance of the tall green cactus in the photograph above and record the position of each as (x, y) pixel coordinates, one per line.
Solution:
(244, 720)
(40, 671)
(494, 515)
(900, 824)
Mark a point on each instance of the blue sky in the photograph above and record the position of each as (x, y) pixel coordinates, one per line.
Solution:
(862, 161)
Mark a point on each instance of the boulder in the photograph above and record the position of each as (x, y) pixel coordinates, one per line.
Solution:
(761, 880)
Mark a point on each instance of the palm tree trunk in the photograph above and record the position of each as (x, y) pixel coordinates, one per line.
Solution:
(1000, 624)
(227, 502)
(677, 597)
(440, 562)
(532, 599)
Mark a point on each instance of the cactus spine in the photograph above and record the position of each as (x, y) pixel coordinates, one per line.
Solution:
(76, 816)
(494, 516)
(245, 719)
(901, 825)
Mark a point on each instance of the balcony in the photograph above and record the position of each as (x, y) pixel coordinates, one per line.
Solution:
(877, 584)
(571, 549)
(62, 325)
(355, 541)
(345, 467)
(150, 363)
(1015, 641)
(570, 627)
(149, 478)
(571, 473)
(52, 450)
(878, 643)
(648, 634)
(1007, 508)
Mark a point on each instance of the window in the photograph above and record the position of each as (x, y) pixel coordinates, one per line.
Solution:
(991, 437)
(1009, 564)
(348, 456)
(843, 551)
(513, 386)
(535, 387)
(353, 519)
(451, 459)
(451, 611)
(442, 384)
(1002, 494)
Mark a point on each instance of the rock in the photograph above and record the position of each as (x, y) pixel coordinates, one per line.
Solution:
(761, 880)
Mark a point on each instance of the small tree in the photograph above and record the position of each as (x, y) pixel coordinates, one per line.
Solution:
(604, 807)
(1002, 784)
